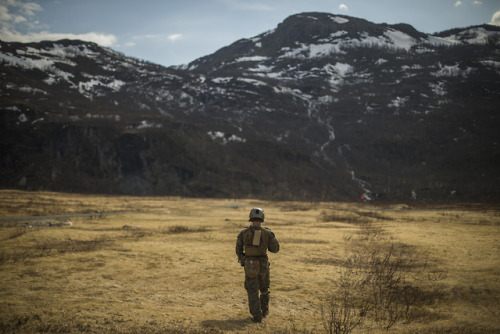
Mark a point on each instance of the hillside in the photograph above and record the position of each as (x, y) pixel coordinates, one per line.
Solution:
(324, 107)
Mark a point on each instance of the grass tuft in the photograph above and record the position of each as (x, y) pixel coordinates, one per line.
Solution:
(176, 229)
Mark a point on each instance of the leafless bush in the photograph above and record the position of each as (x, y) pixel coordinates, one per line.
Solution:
(341, 217)
(48, 247)
(343, 310)
(372, 214)
(136, 233)
(16, 255)
(182, 229)
(16, 233)
(72, 245)
(381, 280)
(351, 217)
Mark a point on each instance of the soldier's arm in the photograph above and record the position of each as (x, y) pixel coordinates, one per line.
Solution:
(239, 246)
(274, 245)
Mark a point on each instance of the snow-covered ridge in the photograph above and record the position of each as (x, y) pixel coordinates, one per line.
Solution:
(43, 64)
(474, 36)
(61, 51)
(47, 60)
(256, 70)
(337, 43)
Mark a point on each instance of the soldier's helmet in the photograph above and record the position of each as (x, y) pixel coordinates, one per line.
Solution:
(256, 214)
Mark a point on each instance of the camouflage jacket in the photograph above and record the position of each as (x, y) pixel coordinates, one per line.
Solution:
(256, 241)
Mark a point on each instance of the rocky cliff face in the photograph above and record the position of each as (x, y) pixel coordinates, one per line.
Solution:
(322, 107)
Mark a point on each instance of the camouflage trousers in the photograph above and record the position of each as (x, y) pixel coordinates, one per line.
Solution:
(259, 304)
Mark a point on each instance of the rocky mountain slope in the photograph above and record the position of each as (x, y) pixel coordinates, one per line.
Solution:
(324, 107)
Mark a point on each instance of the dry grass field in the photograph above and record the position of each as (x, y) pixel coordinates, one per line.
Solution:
(168, 265)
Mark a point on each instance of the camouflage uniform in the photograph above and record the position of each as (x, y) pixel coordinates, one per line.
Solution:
(251, 255)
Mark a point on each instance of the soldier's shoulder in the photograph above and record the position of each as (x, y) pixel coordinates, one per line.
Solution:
(268, 230)
(245, 229)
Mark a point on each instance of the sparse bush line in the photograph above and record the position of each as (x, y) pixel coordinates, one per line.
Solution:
(357, 217)
(380, 280)
(44, 248)
(49, 247)
(176, 229)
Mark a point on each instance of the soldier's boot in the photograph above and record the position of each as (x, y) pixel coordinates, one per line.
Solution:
(264, 303)
(257, 320)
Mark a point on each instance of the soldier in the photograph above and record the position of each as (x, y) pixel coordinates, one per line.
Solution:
(251, 247)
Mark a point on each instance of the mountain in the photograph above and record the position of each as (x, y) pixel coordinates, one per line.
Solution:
(324, 107)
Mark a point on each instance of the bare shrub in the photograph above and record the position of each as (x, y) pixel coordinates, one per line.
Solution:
(297, 207)
(304, 241)
(72, 245)
(351, 217)
(344, 309)
(136, 233)
(17, 255)
(182, 229)
(372, 214)
(324, 261)
(380, 280)
(49, 247)
(341, 217)
(16, 233)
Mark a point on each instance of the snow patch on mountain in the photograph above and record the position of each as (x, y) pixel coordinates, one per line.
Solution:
(336, 73)
(338, 19)
(492, 64)
(475, 36)
(26, 63)
(304, 51)
(336, 44)
(222, 80)
(327, 99)
(398, 102)
(438, 88)
(253, 81)
(70, 51)
(224, 138)
(451, 71)
(261, 68)
(252, 58)
(50, 80)
(88, 88)
(439, 41)
(59, 52)
(148, 125)
(25, 89)
(43, 64)
(115, 118)
(342, 69)
(399, 39)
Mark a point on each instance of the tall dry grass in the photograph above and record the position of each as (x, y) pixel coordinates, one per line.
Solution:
(167, 265)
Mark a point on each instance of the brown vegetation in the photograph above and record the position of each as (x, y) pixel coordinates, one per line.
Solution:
(167, 265)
